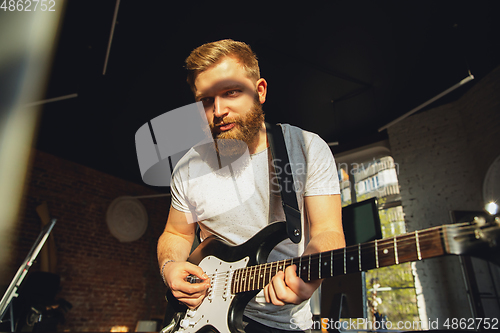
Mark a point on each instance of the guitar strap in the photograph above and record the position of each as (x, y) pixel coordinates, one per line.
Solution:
(288, 197)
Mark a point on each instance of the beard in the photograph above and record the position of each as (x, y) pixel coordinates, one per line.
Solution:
(236, 140)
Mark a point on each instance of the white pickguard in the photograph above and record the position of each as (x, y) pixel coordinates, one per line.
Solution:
(215, 307)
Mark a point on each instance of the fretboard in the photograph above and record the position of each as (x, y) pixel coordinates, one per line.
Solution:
(409, 247)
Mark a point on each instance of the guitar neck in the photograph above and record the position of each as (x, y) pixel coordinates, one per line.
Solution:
(409, 247)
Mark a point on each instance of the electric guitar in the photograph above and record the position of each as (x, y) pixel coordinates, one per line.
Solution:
(237, 273)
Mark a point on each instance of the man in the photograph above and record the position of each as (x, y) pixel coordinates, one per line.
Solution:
(225, 77)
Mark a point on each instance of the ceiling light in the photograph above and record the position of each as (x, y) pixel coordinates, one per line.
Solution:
(492, 208)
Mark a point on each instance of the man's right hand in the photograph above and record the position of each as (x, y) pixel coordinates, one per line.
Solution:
(191, 294)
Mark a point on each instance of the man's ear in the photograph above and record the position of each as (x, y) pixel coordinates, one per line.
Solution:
(262, 90)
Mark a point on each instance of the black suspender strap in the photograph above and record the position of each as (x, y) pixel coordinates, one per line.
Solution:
(283, 173)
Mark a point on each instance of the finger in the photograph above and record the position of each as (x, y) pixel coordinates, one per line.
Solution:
(195, 270)
(266, 294)
(192, 303)
(283, 291)
(181, 288)
(270, 295)
(190, 269)
(300, 288)
(292, 281)
(273, 298)
(277, 289)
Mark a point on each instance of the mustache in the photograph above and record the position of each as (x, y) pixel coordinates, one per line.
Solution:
(225, 121)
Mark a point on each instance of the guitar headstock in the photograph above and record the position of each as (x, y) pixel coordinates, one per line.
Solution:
(478, 238)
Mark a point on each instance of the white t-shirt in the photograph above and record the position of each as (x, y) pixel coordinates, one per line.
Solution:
(234, 199)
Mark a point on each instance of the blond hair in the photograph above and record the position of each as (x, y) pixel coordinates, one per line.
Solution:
(210, 54)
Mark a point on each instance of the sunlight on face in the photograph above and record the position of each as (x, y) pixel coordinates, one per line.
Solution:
(231, 103)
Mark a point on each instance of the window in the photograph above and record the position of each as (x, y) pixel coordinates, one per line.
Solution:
(393, 285)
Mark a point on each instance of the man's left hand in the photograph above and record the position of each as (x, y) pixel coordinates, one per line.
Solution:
(286, 287)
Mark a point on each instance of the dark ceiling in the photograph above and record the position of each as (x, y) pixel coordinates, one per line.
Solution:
(341, 69)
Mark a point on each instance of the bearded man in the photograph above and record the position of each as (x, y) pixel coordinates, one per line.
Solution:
(235, 200)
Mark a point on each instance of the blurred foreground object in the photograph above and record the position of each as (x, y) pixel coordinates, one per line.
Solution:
(27, 40)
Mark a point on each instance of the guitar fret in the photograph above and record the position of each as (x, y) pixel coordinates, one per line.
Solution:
(345, 268)
(259, 278)
(359, 256)
(243, 280)
(267, 273)
(376, 254)
(271, 271)
(262, 271)
(235, 281)
(248, 279)
(263, 274)
(255, 279)
(396, 252)
(240, 280)
(419, 254)
(265, 279)
(252, 276)
(240, 284)
(300, 268)
(319, 266)
(256, 276)
(309, 269)
(331, 263)
(251, 281)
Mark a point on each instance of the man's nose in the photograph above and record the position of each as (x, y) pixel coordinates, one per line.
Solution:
(219, 107)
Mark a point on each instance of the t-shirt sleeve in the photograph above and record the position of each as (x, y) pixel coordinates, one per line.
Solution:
(177, 191)
(322, 177)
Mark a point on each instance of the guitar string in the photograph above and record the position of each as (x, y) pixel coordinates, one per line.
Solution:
(388, 243)
(351, 249)
(402, 240)
(265, 269)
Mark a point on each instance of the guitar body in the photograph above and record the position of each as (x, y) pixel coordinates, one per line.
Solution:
(237, 273)
(222, 311)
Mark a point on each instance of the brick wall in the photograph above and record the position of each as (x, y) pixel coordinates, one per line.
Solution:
(443, 155)
(108, 282)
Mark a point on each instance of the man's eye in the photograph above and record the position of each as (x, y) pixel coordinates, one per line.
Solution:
(232, 93)
(207, 100)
